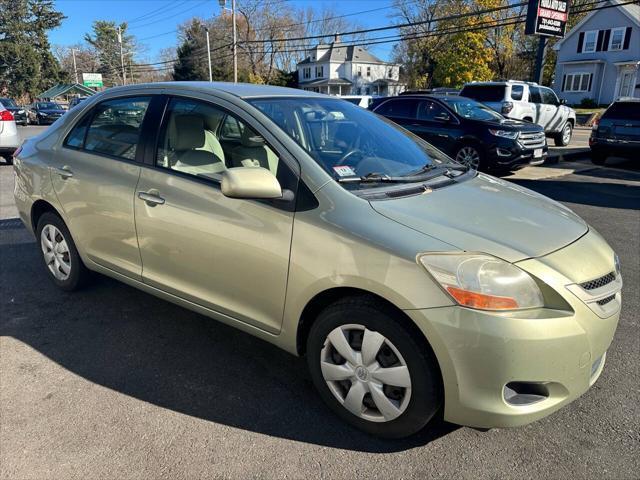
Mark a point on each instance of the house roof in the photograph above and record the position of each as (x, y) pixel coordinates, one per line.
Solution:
(62, 89)
(631, 10)
(326, 81)
(340, 53)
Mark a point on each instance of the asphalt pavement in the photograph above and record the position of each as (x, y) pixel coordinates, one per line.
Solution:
(113, 383)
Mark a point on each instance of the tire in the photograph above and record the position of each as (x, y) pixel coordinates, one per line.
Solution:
(563, 138)
(598, 158)
(8, 159)
(471, 154)
(360, 317)
(77, 274)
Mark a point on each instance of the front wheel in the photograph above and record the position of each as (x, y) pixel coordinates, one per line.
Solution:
(470, 155)
(563, 138)
(371, 370)
(59, 253)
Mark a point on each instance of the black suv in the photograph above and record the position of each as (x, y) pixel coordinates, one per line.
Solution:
(617, 133)
(468, 131)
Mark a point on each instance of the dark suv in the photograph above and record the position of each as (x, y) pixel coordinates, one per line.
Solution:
(468, 131)
(617, 133)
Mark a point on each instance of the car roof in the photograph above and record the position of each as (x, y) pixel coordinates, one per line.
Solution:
(241, 90)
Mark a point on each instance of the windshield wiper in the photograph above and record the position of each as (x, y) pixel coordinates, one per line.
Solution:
(372, 177)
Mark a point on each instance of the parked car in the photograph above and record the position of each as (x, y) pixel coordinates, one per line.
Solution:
(617, 132)
(9, 136)
(361, 100)
(432, 91)
(468, 131)
(411, 283)
(76, 101)
(45, 113)
(19, 113)
(527, 101)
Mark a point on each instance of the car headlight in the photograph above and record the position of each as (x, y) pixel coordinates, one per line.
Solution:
(20, 111)
(42, 114)
(505, 133)
(483, 282)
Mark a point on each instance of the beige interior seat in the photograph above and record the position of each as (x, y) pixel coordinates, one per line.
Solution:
(252, 152)
(195, 150)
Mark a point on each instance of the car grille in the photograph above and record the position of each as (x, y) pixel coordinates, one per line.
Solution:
(532, 139)
(599, 282)
(606, 300)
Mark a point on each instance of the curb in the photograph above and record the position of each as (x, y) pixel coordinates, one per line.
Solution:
(555, 158)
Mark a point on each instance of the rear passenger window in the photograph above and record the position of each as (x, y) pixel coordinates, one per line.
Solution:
(516, 92)
(398, 108)
(115, 127)
(534, 95)
(75, 138)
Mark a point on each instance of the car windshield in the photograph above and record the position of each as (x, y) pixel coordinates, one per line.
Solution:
(7, 102)
(471, 109)
(347, 140)
(48, 106)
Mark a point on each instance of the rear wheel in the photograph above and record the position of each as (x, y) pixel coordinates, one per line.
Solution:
(59, 253)
(371, 370)
(563, 138)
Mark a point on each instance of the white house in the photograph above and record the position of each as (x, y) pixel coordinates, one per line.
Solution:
(340, 69)
(599, 58)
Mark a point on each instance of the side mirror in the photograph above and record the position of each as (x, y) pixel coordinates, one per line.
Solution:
(250, 182)
(442, 117)
(562, 101)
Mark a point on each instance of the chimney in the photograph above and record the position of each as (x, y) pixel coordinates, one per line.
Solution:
(336, 38)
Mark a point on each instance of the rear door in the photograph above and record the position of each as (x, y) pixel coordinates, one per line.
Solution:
(95, 175)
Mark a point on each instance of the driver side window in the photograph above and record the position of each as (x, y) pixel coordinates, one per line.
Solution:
(202, 140)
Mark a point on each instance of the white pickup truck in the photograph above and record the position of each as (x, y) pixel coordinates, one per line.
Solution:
(526, 101)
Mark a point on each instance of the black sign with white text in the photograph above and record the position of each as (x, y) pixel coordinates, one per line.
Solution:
(547, 17)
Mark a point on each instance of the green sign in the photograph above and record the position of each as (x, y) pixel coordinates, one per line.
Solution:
(92, 79)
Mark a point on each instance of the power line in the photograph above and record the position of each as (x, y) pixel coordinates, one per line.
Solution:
(158, 11)
(170, 17)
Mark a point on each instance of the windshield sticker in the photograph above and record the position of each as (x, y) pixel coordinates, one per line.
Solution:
(344, 171)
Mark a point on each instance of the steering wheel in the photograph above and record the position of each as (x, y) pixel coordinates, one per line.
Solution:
(348, 155)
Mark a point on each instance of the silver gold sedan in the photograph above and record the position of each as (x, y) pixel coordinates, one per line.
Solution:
(410, 282)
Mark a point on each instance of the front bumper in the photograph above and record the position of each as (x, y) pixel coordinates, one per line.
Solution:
(511, 155)
(562, 349)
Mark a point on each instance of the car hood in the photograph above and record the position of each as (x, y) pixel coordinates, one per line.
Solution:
(52, 111)
(511, 124)
(488, 215)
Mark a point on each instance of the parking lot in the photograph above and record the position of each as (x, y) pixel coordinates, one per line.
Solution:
(114, 383)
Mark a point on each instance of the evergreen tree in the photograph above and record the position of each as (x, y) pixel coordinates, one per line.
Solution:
(107, 48)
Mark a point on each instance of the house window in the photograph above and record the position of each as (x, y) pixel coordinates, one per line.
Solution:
(359, 71)
(590, 39)
(577, 82)
(368, 71)
(617, 38)
(320, 71)
(390, 73)
(306, 73)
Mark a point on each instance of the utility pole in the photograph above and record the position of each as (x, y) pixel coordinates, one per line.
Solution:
(124, 73)
(209, 55)
(75, 68)
(223, 4)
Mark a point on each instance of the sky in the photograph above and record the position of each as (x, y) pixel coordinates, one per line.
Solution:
(154, 22)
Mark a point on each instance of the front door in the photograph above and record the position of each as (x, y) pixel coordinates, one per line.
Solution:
(228, 255)
(626, 89)
(95, 176)
(437, 126)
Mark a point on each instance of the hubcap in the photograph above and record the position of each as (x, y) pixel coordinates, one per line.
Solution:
(566, 134)
(469, 156)
(366, 373)
(56, 252)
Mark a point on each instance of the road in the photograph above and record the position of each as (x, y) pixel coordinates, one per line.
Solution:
(113, 383)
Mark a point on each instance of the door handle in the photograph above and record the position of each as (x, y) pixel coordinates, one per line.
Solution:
(64, 172)
(151, 197)
(443, 135)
